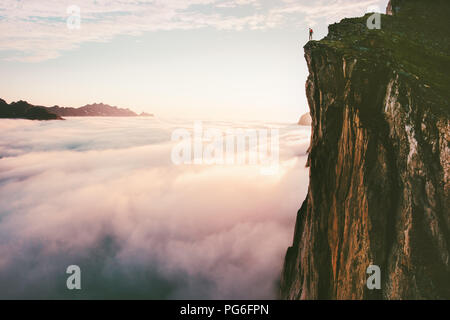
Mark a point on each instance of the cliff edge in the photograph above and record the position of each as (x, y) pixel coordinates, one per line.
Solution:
(379, 160)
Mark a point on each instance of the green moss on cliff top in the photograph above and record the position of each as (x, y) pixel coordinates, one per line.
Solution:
(414, 44)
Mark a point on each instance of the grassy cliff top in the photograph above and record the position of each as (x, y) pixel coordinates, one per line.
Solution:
(414, 42)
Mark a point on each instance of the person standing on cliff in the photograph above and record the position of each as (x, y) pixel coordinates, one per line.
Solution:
(310, 34)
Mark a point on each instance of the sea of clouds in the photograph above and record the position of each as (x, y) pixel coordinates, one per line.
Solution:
(104, 194)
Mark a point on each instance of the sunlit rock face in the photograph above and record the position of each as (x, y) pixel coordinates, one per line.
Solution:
(379, 160)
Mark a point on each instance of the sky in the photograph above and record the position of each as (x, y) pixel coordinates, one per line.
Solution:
(227, 59)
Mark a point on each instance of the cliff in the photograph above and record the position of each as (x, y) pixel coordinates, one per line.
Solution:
(379, 160)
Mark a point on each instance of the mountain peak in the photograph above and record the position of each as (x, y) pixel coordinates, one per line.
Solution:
(94, 110)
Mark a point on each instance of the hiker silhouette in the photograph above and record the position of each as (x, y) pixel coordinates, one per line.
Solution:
(310, 34)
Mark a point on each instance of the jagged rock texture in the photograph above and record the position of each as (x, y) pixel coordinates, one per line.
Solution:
(379, 160)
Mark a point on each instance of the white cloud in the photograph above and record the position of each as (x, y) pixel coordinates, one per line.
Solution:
(104, 194)
(36, 30)
(325, 10)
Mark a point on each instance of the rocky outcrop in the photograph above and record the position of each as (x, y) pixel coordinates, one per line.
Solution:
(379, 160)
(305, 120)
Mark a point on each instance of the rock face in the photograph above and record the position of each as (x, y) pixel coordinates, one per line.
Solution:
(305, 120)
(379, 160)
(24, 110)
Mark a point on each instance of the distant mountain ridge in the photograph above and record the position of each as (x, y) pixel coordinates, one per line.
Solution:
(23, 109)
(93, 110)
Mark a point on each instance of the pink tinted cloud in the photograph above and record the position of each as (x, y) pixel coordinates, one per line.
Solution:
(228, 227)
(34, 30)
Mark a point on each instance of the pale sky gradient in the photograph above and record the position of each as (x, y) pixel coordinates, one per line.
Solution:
(199, 58)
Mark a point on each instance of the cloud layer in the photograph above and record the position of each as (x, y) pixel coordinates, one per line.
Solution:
(37, 30)
(103, 194)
